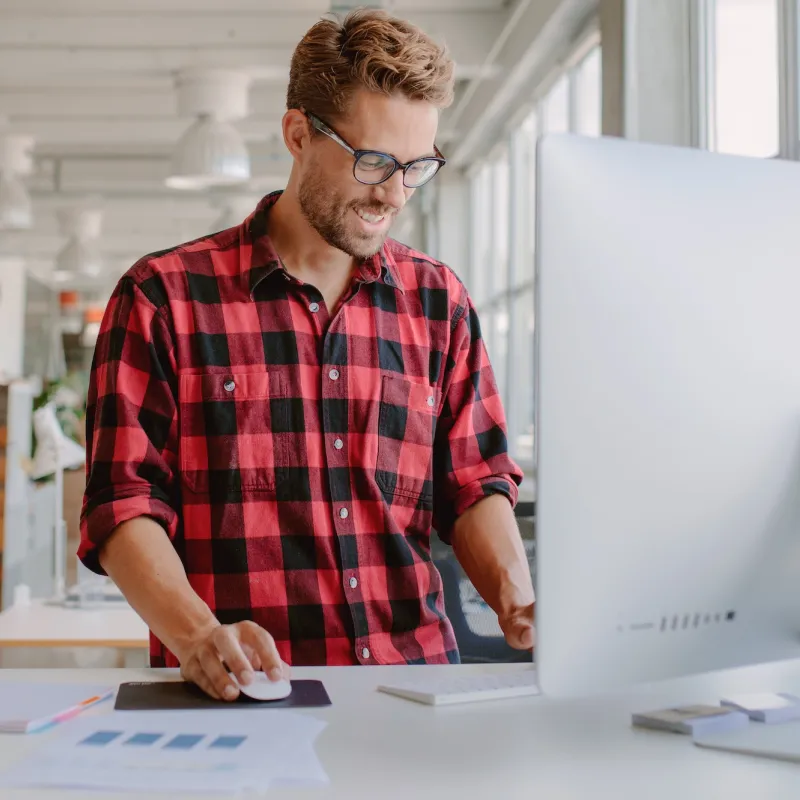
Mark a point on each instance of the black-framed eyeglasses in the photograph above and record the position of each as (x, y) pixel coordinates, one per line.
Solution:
(372, 167)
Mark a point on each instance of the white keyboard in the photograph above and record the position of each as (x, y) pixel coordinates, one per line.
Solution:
(439, 690)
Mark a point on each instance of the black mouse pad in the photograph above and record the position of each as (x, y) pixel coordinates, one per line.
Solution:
(177, 695)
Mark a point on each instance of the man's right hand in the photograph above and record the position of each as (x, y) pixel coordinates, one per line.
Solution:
(244, 647)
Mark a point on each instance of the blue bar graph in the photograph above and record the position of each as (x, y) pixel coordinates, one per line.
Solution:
(101, 738)
(180, 741)
(227, 742)
(143, 739)
(183, 741)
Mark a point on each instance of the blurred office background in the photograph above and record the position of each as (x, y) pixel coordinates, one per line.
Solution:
(103, 103)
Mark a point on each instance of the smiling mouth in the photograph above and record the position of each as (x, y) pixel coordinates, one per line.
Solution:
(372, 219)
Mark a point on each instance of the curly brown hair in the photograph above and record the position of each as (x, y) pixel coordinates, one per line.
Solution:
(367, 49)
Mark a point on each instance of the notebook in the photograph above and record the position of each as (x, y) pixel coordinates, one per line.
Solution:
(694, 720)
(30, 707)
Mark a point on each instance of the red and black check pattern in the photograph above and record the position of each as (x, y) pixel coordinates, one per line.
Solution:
(297, 460)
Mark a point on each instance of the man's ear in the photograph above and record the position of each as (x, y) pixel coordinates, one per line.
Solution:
(296, 131)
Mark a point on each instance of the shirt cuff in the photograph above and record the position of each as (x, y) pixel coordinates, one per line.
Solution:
(100, 521)
(475, 491)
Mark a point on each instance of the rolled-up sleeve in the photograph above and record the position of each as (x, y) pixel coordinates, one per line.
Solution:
(471, 458)
(131, 422)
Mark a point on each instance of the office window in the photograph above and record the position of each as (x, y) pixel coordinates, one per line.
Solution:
(587, 93)
(500, 203)
(502, 236)
(486, 319)
(556, 107)
(523, 194)
(480, 234)
(520, 403)
(500, 335)
(744, 113)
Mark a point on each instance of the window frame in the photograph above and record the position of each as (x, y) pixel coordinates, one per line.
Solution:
(703, 75)
(789, 78)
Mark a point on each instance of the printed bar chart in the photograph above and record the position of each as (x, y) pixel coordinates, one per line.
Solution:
(179, 741)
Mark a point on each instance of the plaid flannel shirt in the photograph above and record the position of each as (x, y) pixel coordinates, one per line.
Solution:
(296, 459)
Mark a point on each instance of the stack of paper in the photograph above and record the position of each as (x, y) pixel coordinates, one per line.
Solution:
(215, 751)
(28, 707)
(692, 719)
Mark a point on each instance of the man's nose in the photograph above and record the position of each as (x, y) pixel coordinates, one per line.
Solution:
(392, 191)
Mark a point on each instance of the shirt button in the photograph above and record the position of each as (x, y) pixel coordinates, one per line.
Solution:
(338, 444)
(313, 308)
(353, 583)
(229, 386)
(365, 652)
(334, 374)
(344, 513)
(431, 401)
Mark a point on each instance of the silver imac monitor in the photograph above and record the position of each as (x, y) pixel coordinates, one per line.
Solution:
(667, 393)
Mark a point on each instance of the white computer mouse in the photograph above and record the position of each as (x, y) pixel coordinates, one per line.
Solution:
(262, 688)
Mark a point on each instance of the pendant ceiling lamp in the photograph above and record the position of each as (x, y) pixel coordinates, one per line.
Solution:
(81, 255)
(212, 152)
(16, 161)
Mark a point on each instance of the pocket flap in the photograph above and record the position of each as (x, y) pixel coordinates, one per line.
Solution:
(403, 393)
(230, 385)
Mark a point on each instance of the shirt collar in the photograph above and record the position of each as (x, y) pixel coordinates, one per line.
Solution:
(258, 258)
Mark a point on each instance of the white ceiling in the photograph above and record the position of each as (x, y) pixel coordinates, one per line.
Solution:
(92, 81)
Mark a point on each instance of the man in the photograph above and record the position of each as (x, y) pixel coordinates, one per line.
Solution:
(280, 413)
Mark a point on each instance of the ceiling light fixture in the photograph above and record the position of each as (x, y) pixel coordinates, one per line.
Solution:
(81, 255)
(211, 152)
(16, 161)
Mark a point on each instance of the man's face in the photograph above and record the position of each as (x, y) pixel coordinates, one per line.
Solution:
(351, 216)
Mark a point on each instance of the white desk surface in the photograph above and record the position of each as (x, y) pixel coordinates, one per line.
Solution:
(43, 625)
(377, 746)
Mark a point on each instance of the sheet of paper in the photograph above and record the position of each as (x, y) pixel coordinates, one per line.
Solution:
(201, 751)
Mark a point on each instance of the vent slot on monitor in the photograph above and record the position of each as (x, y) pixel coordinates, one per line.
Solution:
(682, 621)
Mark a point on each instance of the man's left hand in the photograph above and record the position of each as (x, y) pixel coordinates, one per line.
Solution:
(518, 628)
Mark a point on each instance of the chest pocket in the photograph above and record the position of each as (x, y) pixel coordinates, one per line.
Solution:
(232, 430)
(406, 428)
